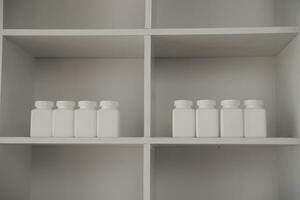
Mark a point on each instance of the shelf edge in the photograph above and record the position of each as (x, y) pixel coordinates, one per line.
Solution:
(153, 141)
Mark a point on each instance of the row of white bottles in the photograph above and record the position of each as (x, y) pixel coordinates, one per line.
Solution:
(234, 121)
(65, 121)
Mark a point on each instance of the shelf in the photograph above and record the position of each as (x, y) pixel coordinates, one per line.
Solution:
(213, 42)
(145, 54)
(201, 42)
(71, 141)
(226, 141)
(153, 141)
(78, 43)
(74, 32)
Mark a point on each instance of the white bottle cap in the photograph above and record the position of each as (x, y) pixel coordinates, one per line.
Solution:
(230, 103)
(183, 104)
(254, 103)
(65, 104)
(44, 104)
(109, 104)
(87, 104)
(206, 103)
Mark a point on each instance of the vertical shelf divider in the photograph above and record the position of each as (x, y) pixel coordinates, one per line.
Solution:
(148, 14)
(1, 44)
(147, 86)
(147, 102)
(148, 170)
(1, 15)
(147, 70)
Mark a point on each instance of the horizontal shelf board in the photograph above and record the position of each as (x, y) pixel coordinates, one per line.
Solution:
(81, 46)
(213, 42)
(200, 42)
(227, 31)
(124, 32)
(153, 141)
(32, 140)
(74, 32)
(226, 141)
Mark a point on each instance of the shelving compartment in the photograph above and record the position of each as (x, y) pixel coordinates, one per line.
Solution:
(212, 78)
(219, 66)
(222, 13)
(72, 172)
(224, 173)
(71, 68)
(73, 14)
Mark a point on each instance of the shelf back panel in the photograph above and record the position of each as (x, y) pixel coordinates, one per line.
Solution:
(74, 14)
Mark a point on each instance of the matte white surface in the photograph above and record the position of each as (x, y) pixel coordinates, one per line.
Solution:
(213, 13)
(288, 82)
(148, 162)
(231, 122)
(213, 78)
(148, 94)
(183, 123)
(288, 101)
(289, 173)
(255, 122)
(74, 14)
(222, 42)
(26, 79)
(85, 124)
(16, 91)
(77, 173)
(220, 173)
(96, 79)
(288, 12)
(258, 41)
(63, 123)
(108, 123)
(41, 123)
(148, 13)
(15, 172)
(223, 168)
(164, 141)
(207, 122)
(81, 46)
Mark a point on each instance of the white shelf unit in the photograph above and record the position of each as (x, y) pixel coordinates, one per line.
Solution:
(153, 141)
(146, 54)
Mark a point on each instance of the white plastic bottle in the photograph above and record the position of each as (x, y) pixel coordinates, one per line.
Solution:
(255, 119)
(63, 119)
(207, 119)
(183, 119)
(41, 119)
(231, 119)
(86, 119)
(108, 118)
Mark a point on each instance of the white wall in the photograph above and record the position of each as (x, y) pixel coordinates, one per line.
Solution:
(87, 172)
(216, 173)
(16, 91)
(15, 172)
(287, 12)
(212, 13)
(74, 14)
(288, 96)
